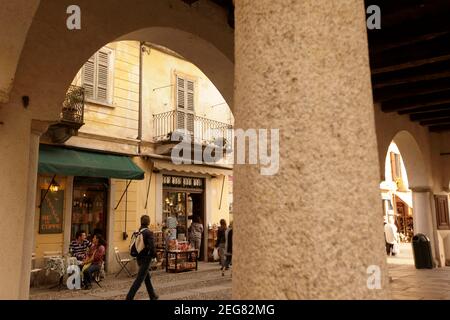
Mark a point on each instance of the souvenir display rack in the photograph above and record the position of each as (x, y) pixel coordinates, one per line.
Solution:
(181, 260)
(180, 257)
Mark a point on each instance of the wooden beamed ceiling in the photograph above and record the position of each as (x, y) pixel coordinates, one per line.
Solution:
(410, 60)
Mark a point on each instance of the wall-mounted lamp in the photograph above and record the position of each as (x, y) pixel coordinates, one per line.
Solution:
(54, 186)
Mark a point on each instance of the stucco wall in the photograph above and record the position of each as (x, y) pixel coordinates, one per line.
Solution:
(16, 17)
(120, 118)
(159, 89)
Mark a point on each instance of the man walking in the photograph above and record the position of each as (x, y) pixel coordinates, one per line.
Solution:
(391, 235)
(143, 259)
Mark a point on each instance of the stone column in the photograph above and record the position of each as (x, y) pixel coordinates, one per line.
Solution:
(19, 143)
(314, 229)
(423, 217)
(68, 202)
(37, 129)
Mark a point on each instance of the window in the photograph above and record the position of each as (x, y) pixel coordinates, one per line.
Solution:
(396, 167)
(97, 77)
(185, 104)
(442, 214)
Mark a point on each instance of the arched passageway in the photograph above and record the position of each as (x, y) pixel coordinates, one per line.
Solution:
(52, 54)
(414, 187)
(327, 95)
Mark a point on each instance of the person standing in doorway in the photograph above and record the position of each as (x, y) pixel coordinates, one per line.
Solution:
(391, 235)
(196, 232)
(143, 260)
(220, 243)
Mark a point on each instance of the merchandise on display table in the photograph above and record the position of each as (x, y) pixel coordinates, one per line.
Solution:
(159, 239)
(178, 260)
(176, 245)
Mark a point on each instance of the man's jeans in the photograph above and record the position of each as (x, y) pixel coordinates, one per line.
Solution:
(143, 275)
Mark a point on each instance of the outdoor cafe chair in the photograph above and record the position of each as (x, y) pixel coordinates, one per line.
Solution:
(34, 271)
(122, 262)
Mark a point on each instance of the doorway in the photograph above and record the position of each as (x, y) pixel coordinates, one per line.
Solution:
(89, 206)
(198, 210)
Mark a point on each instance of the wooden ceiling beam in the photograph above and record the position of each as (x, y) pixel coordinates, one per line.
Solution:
(440, 107)
(395, 79)
(432, 99)
(439, 128)
(411, 64)
(429, 116)
(435, 121)
(437, 48)
(411, 89)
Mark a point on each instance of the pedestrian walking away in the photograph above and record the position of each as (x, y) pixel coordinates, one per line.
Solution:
(143, 259)
(221, 241)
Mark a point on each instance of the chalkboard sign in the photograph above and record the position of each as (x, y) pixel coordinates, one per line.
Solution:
(51, 219)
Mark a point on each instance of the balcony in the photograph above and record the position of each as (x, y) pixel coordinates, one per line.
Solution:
(203, 131)
(71, 117)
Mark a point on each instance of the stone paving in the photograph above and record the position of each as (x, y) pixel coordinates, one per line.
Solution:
(207, 283)
(410, 283)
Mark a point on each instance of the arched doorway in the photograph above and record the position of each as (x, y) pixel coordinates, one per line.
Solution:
(52, 54)
(406, 193)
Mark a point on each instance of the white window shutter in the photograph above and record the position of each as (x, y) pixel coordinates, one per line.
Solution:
(89, 77)
(180, 120)
(185, 104)
(190, 106)
(102, 75)
(96, 76)
(180, 94)
(190, 95)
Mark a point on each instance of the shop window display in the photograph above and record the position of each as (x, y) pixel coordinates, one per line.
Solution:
(89, 208)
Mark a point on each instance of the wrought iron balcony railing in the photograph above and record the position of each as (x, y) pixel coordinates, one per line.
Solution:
(73, 106)
(202, 130)
(71, 118)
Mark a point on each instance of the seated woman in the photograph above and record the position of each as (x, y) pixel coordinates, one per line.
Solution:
(94, 261)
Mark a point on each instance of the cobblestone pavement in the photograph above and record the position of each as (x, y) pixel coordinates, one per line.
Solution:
(409, 283)
(205, 284)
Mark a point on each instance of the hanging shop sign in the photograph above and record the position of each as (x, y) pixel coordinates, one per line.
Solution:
(51, 217)
(182, 182)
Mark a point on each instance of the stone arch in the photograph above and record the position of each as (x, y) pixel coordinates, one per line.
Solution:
(416, 169)
(200, 33)
(419, 180)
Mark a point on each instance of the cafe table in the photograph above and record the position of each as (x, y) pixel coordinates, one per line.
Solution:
(59, 265)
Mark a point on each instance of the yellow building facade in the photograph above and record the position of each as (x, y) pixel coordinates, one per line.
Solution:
(127, 87)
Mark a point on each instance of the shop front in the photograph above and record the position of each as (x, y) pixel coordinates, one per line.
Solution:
(186, 192)
(76, 191)
(183, 199)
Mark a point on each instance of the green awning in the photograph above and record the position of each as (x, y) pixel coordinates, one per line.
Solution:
(68, 162)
